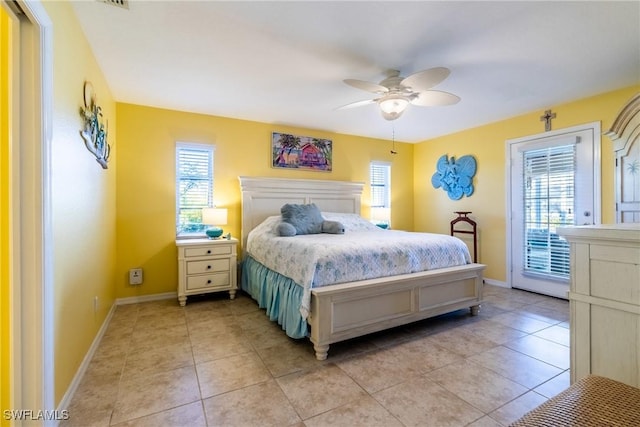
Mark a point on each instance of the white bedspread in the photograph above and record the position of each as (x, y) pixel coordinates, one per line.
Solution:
(365, 251)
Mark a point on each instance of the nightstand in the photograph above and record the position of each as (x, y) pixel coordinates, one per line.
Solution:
(206, 265)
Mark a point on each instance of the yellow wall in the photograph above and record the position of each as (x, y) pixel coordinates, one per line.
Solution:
(83, 197)
(146, 173)
(99, 234)
(5, 260)
(434, 210)
(146, 180)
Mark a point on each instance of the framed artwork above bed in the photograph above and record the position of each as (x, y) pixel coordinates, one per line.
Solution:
(301, 152)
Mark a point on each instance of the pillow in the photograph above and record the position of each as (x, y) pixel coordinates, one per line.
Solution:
(351, 222)
(306, 219)
(285, 229)
(332, 227)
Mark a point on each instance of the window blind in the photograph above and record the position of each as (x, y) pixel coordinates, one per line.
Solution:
(380, 185)
(549, 193)
(194, 185)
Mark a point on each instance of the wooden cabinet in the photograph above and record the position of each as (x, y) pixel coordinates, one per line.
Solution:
(604, 301)
(206, 265)
(625, 135)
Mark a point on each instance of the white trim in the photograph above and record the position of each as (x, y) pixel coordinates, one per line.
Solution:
(33, 317)
(82, 369)
(211, 149)
(146, 298)
(597, 171)
(549, 143)
(387, 181)
(499, 283)
(15, 343)
(381, 162)
(597, 160)
(196, 145)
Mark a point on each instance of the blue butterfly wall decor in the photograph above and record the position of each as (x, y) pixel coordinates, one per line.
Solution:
(455, 177)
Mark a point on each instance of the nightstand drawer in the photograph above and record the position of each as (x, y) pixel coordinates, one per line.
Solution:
(207, 251)
(216, 280)
(207, 266)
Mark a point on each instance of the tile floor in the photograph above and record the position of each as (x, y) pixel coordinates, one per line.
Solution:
(218, 362)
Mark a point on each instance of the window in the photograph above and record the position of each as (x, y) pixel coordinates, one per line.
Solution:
(380, 177)
(549, 192)
(194, 186)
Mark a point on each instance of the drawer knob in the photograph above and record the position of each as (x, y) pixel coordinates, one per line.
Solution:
(209, 282)
(209, 251)
(208, 267)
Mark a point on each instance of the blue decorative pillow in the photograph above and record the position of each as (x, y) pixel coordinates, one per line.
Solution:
(332, 227)
(306, 219)
(286, 230)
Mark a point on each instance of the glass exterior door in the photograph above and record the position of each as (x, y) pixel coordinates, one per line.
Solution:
(554, 180)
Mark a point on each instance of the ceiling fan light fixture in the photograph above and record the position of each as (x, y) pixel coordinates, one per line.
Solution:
(397, 92)
(393, 106)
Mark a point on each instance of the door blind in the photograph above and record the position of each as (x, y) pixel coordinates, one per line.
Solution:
(549, 193)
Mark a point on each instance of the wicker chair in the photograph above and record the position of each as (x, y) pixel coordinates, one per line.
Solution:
(593, 401)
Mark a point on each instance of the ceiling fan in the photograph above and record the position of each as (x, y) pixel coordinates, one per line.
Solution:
(396, 92)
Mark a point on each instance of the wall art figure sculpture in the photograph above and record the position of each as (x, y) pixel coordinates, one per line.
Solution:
(94, 132)
(455, 177)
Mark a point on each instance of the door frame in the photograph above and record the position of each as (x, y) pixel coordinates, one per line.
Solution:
(595, 127)
(31, 284)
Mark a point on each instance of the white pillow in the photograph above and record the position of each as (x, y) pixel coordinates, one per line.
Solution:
(351, 221)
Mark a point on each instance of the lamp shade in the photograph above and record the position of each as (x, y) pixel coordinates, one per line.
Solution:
(392, 106)
(214, 216)
(380, 214)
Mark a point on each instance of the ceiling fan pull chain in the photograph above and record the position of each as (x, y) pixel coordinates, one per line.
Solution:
(393, 139)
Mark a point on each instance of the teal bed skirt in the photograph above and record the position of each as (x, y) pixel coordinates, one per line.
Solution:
(279, 295)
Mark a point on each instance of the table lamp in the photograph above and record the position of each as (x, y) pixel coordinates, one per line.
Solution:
(381, 217)
(214, 217)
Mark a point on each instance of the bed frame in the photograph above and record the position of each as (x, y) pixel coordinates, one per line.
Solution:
(349, 310)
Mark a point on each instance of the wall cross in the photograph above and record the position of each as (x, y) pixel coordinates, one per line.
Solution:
(546, 118)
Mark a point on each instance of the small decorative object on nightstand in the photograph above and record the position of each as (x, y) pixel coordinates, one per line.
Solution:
(206, 265)
(214, 217)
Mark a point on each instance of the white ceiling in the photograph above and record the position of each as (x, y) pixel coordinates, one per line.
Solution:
(284, 62)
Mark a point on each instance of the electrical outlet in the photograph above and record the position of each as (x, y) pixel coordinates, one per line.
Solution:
(135, 276)
(95, 304)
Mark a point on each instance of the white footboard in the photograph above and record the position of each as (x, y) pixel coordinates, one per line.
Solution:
(350, 310)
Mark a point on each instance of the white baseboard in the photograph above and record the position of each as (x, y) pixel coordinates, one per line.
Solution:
(497, 283)
(71, 390)
(146, 298)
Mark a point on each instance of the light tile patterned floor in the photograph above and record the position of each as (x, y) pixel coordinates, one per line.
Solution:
(218, 362)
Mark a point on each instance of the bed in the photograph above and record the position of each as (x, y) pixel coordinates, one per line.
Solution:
(337, 312)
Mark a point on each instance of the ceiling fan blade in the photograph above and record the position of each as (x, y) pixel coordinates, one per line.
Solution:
(368, 86)
(435, 98)
(357, 104)
(423, 80)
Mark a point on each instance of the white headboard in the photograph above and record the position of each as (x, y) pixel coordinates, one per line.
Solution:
(263, 197)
